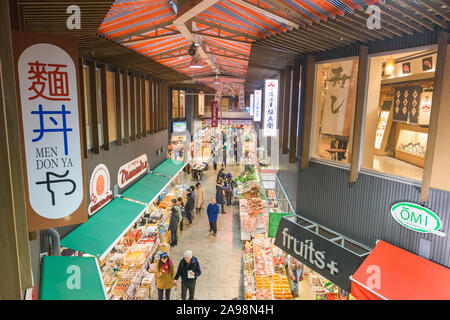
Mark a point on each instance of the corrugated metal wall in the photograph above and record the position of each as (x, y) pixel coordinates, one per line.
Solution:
(287, 173)
(361, 211)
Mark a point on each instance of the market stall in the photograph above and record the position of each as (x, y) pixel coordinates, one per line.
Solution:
(123, 236)
(265, 268)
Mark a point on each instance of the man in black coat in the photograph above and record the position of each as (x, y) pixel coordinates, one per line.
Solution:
(173, 226)
(189, 271)
(189, 206)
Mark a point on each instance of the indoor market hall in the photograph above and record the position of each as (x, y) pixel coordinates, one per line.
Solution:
(250, 152)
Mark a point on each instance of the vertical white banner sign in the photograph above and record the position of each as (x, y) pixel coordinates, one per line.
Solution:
(270, 107)
(257, 111)
(49, 104)
(252, 103)
(241, 99)
(201, 103)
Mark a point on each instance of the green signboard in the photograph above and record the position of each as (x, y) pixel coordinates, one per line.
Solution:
(274, 221)
(417, 218)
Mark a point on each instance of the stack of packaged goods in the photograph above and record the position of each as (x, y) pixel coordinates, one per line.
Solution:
(249, 279)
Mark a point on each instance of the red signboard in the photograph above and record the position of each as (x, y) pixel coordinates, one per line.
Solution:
(214, 113)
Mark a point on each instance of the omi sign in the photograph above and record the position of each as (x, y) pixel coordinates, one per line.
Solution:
(417, 218)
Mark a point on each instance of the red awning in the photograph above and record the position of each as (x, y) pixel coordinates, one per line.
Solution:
(392, 273)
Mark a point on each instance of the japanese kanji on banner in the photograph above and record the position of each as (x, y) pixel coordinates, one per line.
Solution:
(214, 113)
(252, 103)
(46, 69)
(270, 107)
(241, 98)
(257, 110)
(201, 104)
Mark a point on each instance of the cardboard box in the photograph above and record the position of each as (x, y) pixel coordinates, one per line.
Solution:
(164, 247)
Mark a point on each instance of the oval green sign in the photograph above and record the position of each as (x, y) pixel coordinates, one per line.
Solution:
(417, 218)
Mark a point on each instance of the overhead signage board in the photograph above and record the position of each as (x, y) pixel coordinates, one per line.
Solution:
(252, 103)
(257, 110)
(100, 189)
(270, 107)
(327, 258)
(131, 171)
(201, 103)
(46, 69)
(417, 218)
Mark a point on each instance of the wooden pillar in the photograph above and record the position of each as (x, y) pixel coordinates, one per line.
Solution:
(144, 107)
(126, 108)
(138, 107)
(105, 124)
(286, 109)
(166, 106)
(439, 87)
(118, 107)
(294, 113)
(15, 263)
(363, 69)
(151, 97)
(132, 109)
(83, 107)
(307, 108)
(93, 109)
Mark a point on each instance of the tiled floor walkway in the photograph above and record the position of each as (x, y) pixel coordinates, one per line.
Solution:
(220, 257)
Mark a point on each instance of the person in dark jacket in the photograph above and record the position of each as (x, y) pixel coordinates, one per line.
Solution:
(173, 226)
(219, 195)
(189, 271)
(181, 205)
(189, 206)
(213, 212)
(220, 174)
(228, 188)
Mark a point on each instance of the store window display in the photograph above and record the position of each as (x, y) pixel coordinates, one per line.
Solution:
(398, 108)
(334, 106)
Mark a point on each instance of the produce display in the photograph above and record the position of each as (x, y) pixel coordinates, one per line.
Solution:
(265, 275)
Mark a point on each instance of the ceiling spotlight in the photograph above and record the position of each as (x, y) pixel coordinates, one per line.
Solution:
(196, 63)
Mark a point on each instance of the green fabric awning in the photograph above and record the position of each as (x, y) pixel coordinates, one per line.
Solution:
(71, 278)
(146, 189)
(103, 230)
(169, 168)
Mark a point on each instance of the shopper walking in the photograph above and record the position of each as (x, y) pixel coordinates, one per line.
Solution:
(165, 275)
(189, 271)
(221, 174)
(180, 216)
(199, 199)
(219, 195)
(173, 226)
(189, 206)
(213, 212)
(228, 188)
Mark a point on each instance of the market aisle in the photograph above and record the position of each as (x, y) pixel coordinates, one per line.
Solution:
(220, 257)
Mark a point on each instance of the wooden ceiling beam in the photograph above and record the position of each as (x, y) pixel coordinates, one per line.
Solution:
(223, 28)
(409, 14)
(145, 38)
(142, 31)
(400, 26)
(397, 16)
(422, 10)
(436, 9)
(220, 38)
(268, 14)
(168, 52)
(358, 28)
(281, 44)
(300, 42)
(390, 33)
(345, 31)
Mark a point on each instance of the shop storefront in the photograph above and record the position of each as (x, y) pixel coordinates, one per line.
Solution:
(116, 246)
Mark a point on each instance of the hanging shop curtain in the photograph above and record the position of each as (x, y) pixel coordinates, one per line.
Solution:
(406, 104)
(392, 273)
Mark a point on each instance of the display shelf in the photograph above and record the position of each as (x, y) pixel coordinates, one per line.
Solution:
(411, 144)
